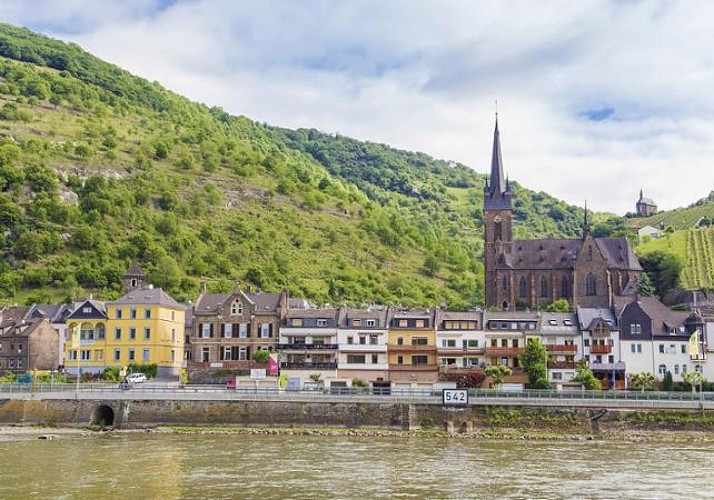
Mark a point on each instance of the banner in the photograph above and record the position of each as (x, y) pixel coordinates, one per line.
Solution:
(74, 336)
(694, 344)
(273, 363)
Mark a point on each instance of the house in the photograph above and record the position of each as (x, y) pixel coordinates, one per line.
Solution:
(560, 335)
(308, 343)
(655, 339)
(57, 316)
(506, 335)
(231, 327)
(362, 344)
(145, 326)
(27, 345)
(602, 348)
(411, 348)
(645, 206)
(460, 340)
(86, 337)
(647, 231)
(519, 274)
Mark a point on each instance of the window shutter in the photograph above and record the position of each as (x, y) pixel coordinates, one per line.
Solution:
(223, 330)
(211, 334)
(270, 330)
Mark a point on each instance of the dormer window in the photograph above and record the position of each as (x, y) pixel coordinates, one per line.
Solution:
(370, 322)
(321, 322)
(237, 308)
(552, 322)
(87, 310)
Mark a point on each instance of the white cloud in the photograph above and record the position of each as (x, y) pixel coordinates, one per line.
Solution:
(423, 75)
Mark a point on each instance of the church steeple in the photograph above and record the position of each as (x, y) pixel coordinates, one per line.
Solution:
(497, 181)
(586, 223)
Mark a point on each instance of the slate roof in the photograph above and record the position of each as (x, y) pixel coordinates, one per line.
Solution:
(265, 301)
(458, 315)
(663, 318)
(147, 296)
(561, 254)
(565, 323)
(134, 271)
(14, 313)
(511, 315)
(646, 201)
(210, 302)
(589, 317)
(19, 327)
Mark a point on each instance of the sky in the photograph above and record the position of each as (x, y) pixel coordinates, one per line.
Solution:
(596, 100)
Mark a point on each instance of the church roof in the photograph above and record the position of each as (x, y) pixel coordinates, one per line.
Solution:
(646, 201)
(561, 254)
(134, 271)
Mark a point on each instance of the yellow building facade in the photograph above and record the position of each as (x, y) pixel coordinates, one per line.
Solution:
(411, 347)
(145, 326)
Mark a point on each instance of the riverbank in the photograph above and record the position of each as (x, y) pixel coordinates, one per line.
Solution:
(614, 435)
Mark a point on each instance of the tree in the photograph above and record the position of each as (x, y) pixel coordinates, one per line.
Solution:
(560, 305)
(497, 374)
(261, 356)
(431, 265)
(663, 268)
(694, 379)
(645, 286)
(643, 381)
(585, 376)
(533, 360)
(469, 379)
(667, 382)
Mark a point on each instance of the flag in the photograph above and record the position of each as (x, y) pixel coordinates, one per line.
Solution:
(694, 344)
(74, 336)
(273, 364)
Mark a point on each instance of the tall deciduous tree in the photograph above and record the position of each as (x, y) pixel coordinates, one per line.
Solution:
(533, 360)
(585, 376)
(498, 373)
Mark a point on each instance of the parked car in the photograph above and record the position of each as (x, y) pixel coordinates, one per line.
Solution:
(136, 378)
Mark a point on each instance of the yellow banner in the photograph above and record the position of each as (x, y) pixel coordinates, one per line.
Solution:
(74, 337)
(694, 344)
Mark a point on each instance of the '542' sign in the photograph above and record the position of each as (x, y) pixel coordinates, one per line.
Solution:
(455, 397)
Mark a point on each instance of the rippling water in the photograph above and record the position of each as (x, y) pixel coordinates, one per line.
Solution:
(132, 466)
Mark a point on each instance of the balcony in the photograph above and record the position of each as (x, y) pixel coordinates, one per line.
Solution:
(411, 348)
(306, 365)
(504, 351)
(561, 365)
(364, 366)
(618, 367)
(600, 349)
(363, 347)
(561, 348)
(460, 351)
(413, 368)
(307, 347)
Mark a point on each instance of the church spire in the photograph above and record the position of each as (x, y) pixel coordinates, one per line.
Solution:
(497, 181)
(586, 224)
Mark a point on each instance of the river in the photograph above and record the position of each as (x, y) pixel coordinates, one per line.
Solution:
(166, 466)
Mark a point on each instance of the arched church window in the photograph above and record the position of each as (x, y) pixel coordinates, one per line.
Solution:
(498, 231)
(543, 287)
(564, 288)
(504, 283)
(522, 288)
(590, 285)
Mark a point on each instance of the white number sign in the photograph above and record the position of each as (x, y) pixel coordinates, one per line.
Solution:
(455, 397)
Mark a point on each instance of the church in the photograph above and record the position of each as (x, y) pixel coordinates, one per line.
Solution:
(588, 272)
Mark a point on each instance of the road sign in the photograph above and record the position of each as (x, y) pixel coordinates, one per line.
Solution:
(455, 397)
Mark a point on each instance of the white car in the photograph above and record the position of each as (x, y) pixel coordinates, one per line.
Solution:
(136, 378)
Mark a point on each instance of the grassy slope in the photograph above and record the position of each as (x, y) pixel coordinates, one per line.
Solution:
(680, 218)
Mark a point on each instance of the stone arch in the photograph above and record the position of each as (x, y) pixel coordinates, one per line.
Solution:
(103, 414)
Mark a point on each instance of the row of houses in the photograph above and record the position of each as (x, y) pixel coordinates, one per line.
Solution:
(403, 347)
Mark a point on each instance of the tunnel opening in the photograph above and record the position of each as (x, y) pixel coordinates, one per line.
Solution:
(103, 416)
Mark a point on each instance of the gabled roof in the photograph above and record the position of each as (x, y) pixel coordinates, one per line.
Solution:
(588, 318)
(459, 315)
(14, 313)
(619, 253)
(98, 306)
(662, 317)
(265, 302)
(134, 271)
(558, 323)
(147, 296)
(210, 302)
(376, 313)
(20, 327)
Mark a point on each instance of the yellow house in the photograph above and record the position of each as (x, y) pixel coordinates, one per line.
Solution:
(411, 348)
(85, 341)
(145, 326)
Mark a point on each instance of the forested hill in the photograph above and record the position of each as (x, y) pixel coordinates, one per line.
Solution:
(99, 168)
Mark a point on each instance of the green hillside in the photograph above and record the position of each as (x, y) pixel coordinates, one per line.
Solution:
(99, 168)
(695, 248)
(701, 212)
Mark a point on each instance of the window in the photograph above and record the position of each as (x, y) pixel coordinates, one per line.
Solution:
(684, 369)
(420, 341)
(403, 323)
(420, 360)
(676, 369)
(472, 343)
(543, 287)
(147, 313)
(590, 285)
(132, 355)
(356, 322)
(132, 333)
(522, 288)
(117, 314)
(99, 354)
(264, 330)
(72, 355)
(504, 342)
(635, 328)
(564, 288)
(639, 348)
(205, 354)
(86, 355)
(515, 342)
(226, 354)
(504, 283)
(146, 356)
(321, 322)
(242, 353)
(504, 361)
(494, 343)
(173, 335)
(633, 348)
(117, 354)
(132, 313)
(117, 333)
(350, 340)
(419, 323)
(684, 349)
(243, 330)
(662, 369)
(661, 348)
(448, 343)
(557, 376)
(611, 359)
(370, 322)
(498, 231)
(206, 330)
(400, 341)
(359, 359)
(173, 315)
(296, 322)
(375, 359)
(173, 355)
(363, 339)
(147, 333)
(373, 339)
(101, 332)
(586, 343)
(236, 308)
(228, 330)
(87, 310)
(400, 360)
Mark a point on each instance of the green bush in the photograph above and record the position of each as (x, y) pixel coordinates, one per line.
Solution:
(149, 369)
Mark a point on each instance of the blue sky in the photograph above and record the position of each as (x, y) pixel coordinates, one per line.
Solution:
(596, 99)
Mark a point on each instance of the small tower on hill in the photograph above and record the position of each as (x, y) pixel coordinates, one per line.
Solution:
(133, 278)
